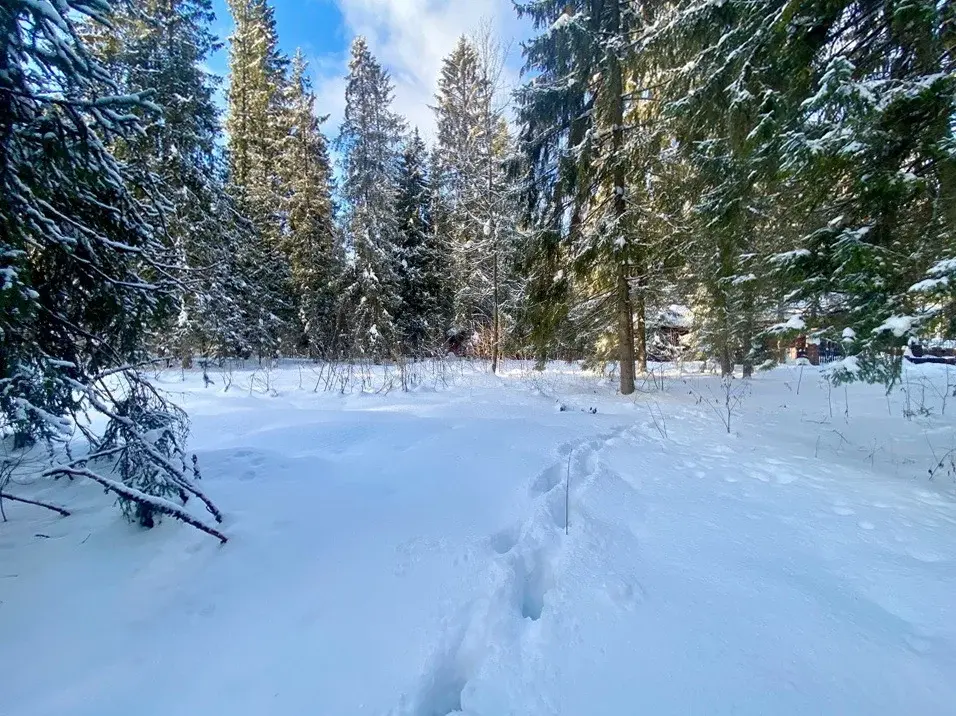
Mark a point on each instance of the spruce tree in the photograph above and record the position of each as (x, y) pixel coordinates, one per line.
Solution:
(161, 46)
(458, 178)
(370, 142)
(822, 142)
(422, 320)
(86, 270)
(573, 114)
(257, 130)
(309, 238)
(475, 207)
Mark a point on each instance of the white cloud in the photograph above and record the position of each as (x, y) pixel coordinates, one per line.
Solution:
(329, 79)
(410, 38)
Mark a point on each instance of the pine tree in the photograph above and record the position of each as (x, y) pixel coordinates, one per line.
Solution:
(309, 239)
(370, 141)
(86, 269)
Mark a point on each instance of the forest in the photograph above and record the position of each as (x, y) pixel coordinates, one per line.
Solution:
(617, 386)
(777, 170)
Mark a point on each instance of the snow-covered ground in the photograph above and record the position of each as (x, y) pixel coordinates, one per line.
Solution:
(405, 553)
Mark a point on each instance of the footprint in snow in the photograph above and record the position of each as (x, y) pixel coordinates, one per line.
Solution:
(547, 480)
(924, 555)
(842, 511)
(623, 593)
(535, 578)
(504, 541)
(864, 525)
(557, 509)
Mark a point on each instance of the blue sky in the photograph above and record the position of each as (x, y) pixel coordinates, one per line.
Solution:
(409, 37)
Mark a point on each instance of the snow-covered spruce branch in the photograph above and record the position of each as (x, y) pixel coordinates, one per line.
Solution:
(36, 503)
(155, 504)
(132, 435)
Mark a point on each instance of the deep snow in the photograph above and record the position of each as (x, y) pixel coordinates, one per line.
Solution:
(405, 554)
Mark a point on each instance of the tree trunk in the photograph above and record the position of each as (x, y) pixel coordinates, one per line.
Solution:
(625, 308)
(625, 330)
(748, 368)
(496, 320)
(724, 306)
(640, 338)
(726, 359)
(747, 339)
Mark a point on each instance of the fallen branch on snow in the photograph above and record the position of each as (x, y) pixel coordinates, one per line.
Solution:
(158, 504)
(14, 498)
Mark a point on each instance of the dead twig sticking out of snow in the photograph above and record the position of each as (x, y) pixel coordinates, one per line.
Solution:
(656, 380)
(226, 372)
(207, 381)
(843, 440)
(658, 421)
(942, 394)
(946, 463)
(263, 377)
(726, 406)
(7, 466)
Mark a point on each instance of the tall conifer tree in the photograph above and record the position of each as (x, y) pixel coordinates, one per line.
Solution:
(370, 142)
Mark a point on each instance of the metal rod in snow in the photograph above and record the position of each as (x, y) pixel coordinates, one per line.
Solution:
(567, 496)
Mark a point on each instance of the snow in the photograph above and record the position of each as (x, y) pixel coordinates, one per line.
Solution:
(793, 323)
(943, 267)
(675, 315)
(930, 284)
(849, 366)
(405, 554)
(899, 326)
(787, 257)
(564, 20)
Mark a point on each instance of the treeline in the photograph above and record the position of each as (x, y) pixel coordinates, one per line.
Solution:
(411, 254)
